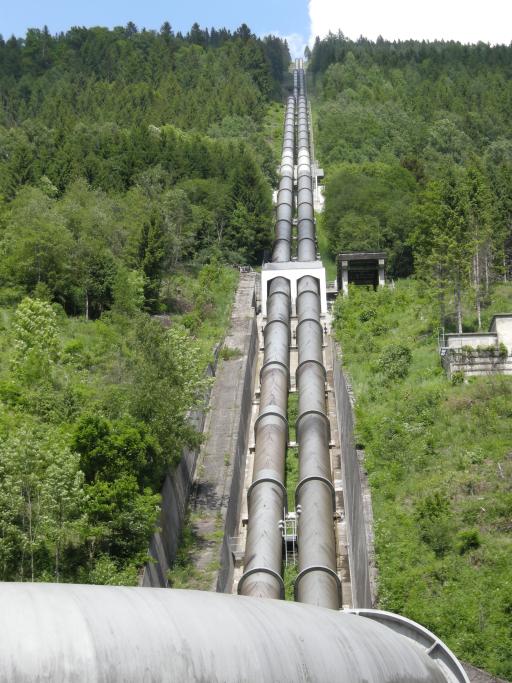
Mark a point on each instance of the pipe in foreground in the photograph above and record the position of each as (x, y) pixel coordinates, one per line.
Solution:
(95, 634)
(267, 494)
(317, 582)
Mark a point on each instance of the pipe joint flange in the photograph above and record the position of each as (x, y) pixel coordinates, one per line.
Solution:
(308, 289)
(261, 570)
(275, 321)
(278, 291)
(315, 477)
(309, 360)
(309, 320)
(280, 364)
(271, 410)
(312, 412)
(268, 480)
(318, 568)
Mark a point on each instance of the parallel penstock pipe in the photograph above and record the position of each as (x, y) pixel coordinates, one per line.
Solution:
(267, 493)
(317, 582)
(281, 251)
(306, 243)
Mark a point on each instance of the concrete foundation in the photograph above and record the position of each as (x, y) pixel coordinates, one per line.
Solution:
(293, 271)
(479, 353)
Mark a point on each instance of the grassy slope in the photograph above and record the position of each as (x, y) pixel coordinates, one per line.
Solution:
(439, 459)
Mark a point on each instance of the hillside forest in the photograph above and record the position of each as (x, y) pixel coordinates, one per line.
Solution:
(417, 140)
(135, 171)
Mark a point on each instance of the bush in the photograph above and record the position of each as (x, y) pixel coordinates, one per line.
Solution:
(230, 354)
(433, 517)
(468, 540)
(394, 362)
(457, 377)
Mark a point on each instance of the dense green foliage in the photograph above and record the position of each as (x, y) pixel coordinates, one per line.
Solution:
(135, 150)
(92, 414)
(439, 458)
(416, 139)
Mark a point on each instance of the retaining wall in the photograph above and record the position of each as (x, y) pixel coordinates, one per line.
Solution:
(175, 494)
(244, 401)
(357, 501)
(475, 364)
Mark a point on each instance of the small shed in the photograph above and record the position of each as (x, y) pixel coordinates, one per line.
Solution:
(361, 268)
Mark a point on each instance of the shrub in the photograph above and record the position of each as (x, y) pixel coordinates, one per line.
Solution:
(468, 539)
(457, 377)
(230, 354)
(433, 517)
(394, 362)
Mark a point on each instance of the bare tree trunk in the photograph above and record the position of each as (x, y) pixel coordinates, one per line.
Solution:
(458, 298)
(86, 305)
(30, 536)
(486, 265)
(476, 280)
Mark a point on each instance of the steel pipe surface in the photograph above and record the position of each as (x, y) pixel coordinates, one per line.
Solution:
(281, 250)
(98, 634)
(267, 495)
(317, 582)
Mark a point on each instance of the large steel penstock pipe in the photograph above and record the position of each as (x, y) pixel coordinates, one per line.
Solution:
(267, 494)
(317, 582)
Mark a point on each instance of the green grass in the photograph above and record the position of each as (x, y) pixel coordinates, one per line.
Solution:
(289, 575)
(291, 480)
(184, 573)
(292, 454)
(323, 245)
(439, 459)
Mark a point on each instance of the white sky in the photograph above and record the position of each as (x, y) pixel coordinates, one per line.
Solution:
(468, 21)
